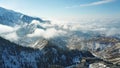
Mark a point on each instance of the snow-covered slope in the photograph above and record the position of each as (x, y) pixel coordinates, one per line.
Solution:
(16, 26)
(16, 56)
(12, 18)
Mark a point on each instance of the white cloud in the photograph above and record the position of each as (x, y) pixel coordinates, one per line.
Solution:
(92, 3)
(97, 3)
(8, 32)
(49, 33)
(11, 36)
(108, 26)
(5, 29)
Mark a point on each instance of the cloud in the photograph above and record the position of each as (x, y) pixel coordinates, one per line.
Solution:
(8, 32)
(49, 33)
(5, 29)
(108, 26)
(92, 3)
(97, 3)
(11, 36)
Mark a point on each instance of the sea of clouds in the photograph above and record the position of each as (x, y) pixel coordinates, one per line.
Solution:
(107, 26)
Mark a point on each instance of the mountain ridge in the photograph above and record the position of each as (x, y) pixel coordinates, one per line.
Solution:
(11, 18)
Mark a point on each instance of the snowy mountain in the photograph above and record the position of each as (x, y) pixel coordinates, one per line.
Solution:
(37, 43)
(14, 56)
(17, 25)
(12, 18)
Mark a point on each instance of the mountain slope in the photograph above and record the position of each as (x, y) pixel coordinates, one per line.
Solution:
(111, 54)
(15, 56)
(12, 18)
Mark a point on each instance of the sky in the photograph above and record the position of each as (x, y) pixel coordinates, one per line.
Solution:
(64, 9)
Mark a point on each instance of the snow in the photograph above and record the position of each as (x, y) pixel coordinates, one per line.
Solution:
(98, 65)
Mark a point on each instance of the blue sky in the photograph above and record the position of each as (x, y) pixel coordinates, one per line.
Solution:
(64, 8)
